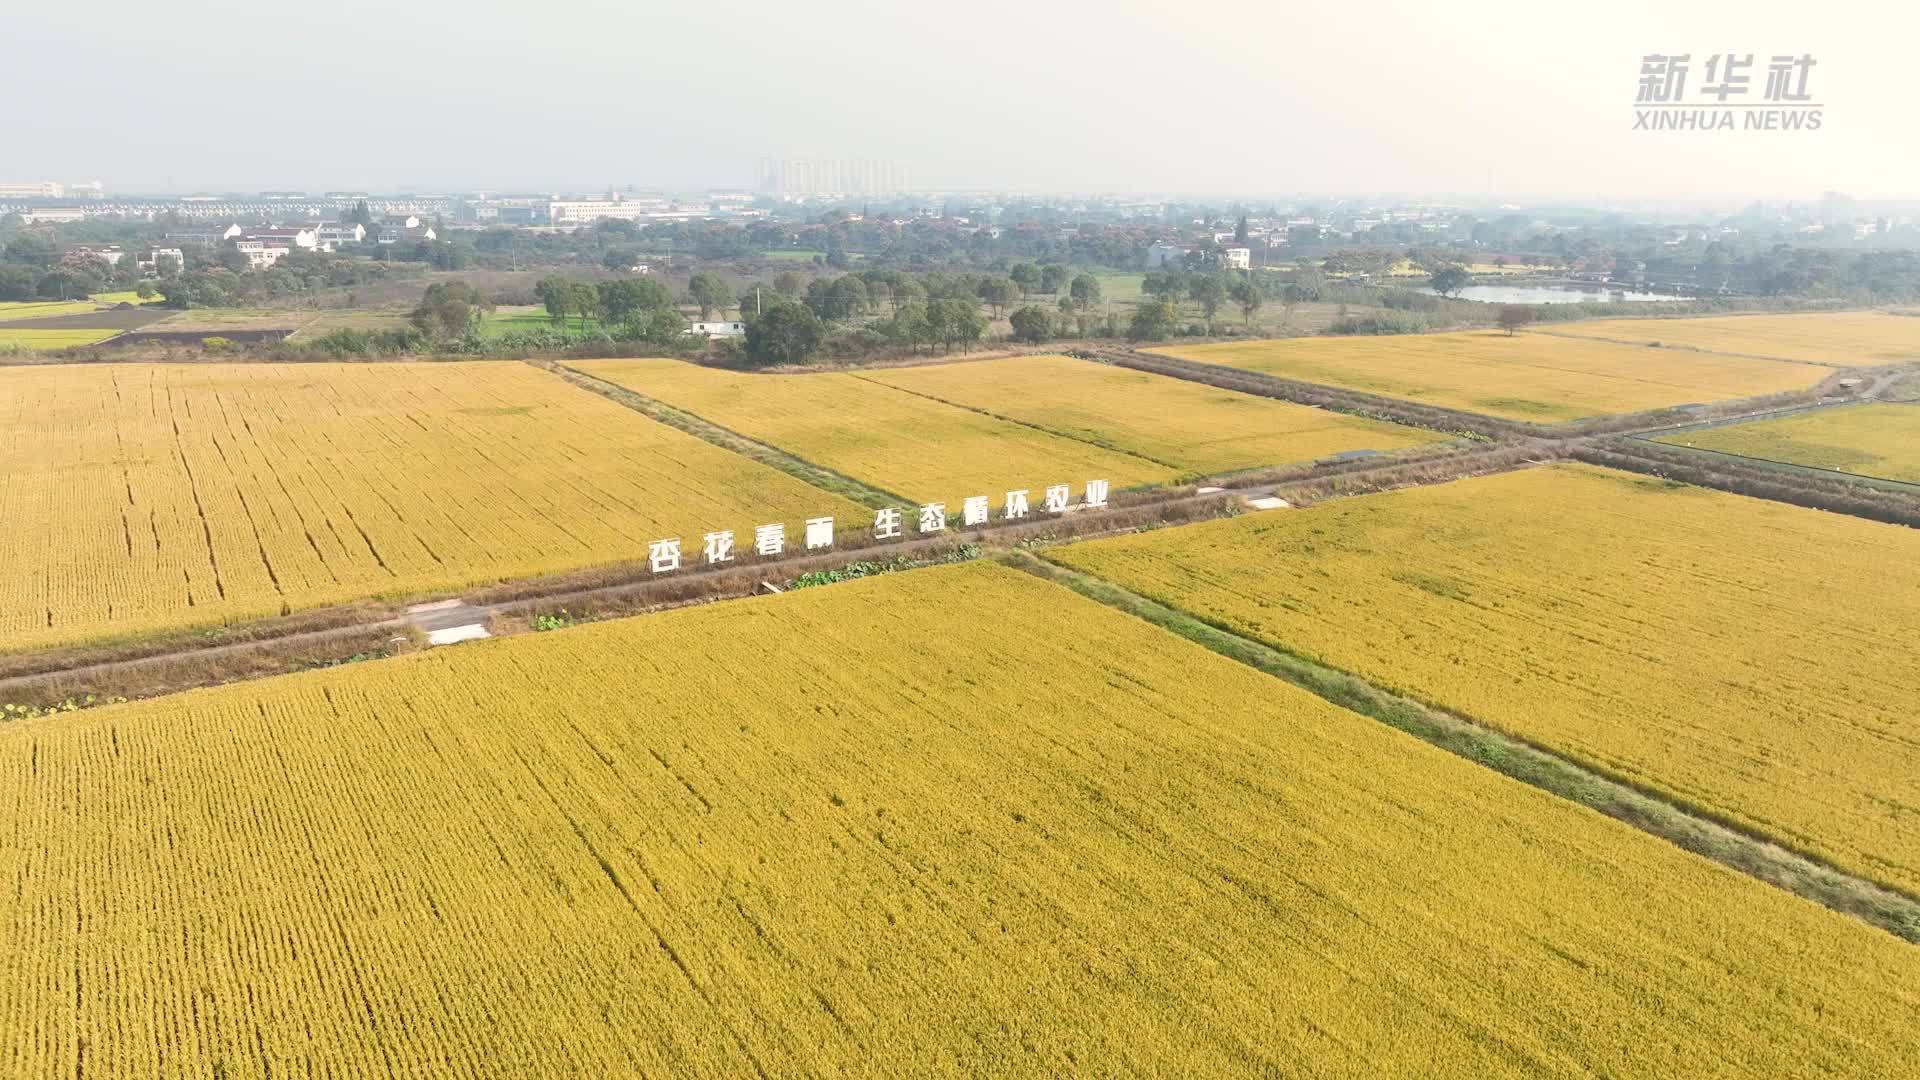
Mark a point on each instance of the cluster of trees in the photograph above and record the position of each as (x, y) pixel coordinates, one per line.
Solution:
(871, 291)
(788, 331)
(32, 268)
(293, 276)
(931, 310)
(838, 238)
(628, 309)
(1212, 291)
(451, 309)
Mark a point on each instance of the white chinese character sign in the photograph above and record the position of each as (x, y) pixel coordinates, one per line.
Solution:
(664, 555)
(770, 540)
(819, 533)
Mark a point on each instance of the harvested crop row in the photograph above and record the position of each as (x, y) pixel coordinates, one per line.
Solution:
(956, 821)
(1746, 658)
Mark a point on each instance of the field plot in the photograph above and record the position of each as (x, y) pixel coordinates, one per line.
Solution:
(125, 296)
(1524, 377)
(1197, 429)
(975, 826)
(141, 497)
(11, 310)
(1880, 440)
(522, 318)
(242, 323)
(1842, 338)
(25, 336)
(1747, 658)
(893, 440)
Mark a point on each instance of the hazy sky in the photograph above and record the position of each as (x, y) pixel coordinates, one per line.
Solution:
(1205, 97)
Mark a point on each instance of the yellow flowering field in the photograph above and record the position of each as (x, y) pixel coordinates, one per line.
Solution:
(1881, 440)
(140, 497)
(914, 447)
(1750, 659)
(1534, 377)
(955, 821)
(1199, 429)
(1841, 338)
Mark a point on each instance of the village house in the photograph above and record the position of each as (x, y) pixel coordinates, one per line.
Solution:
(260, 254)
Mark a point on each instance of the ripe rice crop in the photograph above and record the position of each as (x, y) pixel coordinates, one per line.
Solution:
(1746, 658)
(954, 821)
(1881, 440)
(1843, 338)
(895, 441)
(143, 497)
(1534, 377)
(1200, 430)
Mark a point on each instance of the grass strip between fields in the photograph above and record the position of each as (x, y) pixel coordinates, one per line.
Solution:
(701, 428)
(1893, 912)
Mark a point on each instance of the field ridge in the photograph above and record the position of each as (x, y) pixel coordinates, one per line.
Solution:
(700, 427)
(1688, 827)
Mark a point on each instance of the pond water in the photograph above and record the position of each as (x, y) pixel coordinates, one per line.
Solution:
(1553, 294)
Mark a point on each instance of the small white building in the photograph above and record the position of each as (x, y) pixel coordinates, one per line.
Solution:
(47, 190)
(394, 233)
(260, 254)
(717, 329)
(1160, 255)
(294, 237)
(53, 215)
(1237, 258)
(161, 260)
(334, 235)
(108, 253)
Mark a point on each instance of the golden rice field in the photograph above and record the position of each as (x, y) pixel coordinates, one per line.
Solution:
(955, 822)
(1879, 440)
(1197, 429)
(1534, 377)
(141, 497)
(21, 337)
(1750, 659)
(1842, 338)
(895, 441)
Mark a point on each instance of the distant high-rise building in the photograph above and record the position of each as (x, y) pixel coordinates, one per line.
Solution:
(47, 190)
(825, 176)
